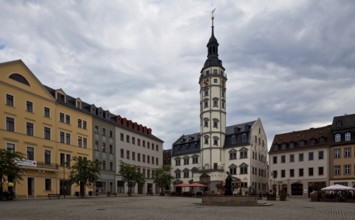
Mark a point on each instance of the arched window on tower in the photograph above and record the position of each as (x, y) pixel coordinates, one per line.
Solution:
(215, 102)
(215, 123)
(205, 122)
(206, 91)
(215, 140)
(205, 103)
(206, 137)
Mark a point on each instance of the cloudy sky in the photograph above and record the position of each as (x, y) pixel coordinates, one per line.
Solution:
(289, 62)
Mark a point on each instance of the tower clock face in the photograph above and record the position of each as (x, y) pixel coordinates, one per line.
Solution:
(206, 81)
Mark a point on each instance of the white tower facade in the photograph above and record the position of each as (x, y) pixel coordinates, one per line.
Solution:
(212, 109)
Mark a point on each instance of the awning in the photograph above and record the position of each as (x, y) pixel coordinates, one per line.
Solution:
(337, 187)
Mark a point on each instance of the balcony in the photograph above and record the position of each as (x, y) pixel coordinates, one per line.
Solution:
(38, 165)
(210, 168)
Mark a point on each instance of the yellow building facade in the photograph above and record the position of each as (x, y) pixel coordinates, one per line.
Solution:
(39, 122)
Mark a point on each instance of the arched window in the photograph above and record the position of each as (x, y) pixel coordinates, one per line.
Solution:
(347, 136)
(205, 103)
(19, 78)
(337, 138)
(205, 122)
(215, 102)
(215, 123)
(215, 140)
(206, 137)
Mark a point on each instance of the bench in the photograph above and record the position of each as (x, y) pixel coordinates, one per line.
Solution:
(53, 195)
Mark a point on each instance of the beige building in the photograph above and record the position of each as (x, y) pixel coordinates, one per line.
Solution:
(136, 145)
(299, 161)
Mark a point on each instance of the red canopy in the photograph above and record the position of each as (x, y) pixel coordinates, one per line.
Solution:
(190, 185)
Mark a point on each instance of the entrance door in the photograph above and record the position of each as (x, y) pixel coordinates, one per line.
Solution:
(150, 188)
(30, 187)
(65, 187)
(140, 188)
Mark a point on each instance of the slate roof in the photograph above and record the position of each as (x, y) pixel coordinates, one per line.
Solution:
(313, 137)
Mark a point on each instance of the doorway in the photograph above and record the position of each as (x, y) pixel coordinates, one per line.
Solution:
(30, 187)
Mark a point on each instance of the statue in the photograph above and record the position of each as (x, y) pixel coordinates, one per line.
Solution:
(228, 191)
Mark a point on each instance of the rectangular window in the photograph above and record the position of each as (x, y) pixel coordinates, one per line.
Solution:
(186, 160)
(67, 119)
(143, 143)
(292, 173)
(300, 157)
(148, 145)
(310, 156)
(347, 152)
(68, 160)
(274, 158)
(96, 128)
(122, 137)
(48, 184)
(143, 157)
(310, 171)
(139, 142)
(62, 159)
(47, 133)
(103, 165)
(10, 124)
(283, 174)
(80, 141)
(96, 145)
(30, 153)
(347, 169)
(85, 142)
(67, 136)
(320, 171)
(47, 112)
(47, 156)
(186, 174)
(127, 138)
(84, 125)
(111, 166)
(9, 100)
(103, 147)
(61, 117)
(320, 155)
(122, 153)
(111, 149)
(29, 128)
(292, 158)
(337, 170)
(80, 124)
(139, 157)
(10, 147)
(148, 159)
(283, 159)
(29, 106)
(156, 147)
(133, 156)
(157, 161)
(111, 133)
(300, 172)
(133, 140)
(104, 131)
(195, 160)
(127, 154)
(62, 137)
(337, 153)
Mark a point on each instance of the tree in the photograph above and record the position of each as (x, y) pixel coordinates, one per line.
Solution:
(84, 172)
(131, 175)
(162, 177)
(9, 167)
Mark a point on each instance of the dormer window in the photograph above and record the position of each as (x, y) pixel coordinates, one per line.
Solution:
(337, 138)
(347, 136)
(61, 97)
(93, 110)
(78, 103)
(339, 123)
(302, 143)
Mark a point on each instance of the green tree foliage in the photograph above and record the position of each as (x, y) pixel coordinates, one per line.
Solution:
(9, 169)
(84, 172)
(131, 176)
(162, 177)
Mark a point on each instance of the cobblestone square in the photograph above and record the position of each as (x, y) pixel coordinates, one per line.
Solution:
(156, 207)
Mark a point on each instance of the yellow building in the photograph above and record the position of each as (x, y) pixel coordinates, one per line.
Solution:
(46, 125)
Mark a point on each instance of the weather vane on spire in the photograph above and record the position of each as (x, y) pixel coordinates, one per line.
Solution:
(212, 14)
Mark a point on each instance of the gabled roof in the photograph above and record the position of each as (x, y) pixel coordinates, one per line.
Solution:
(343, 122)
